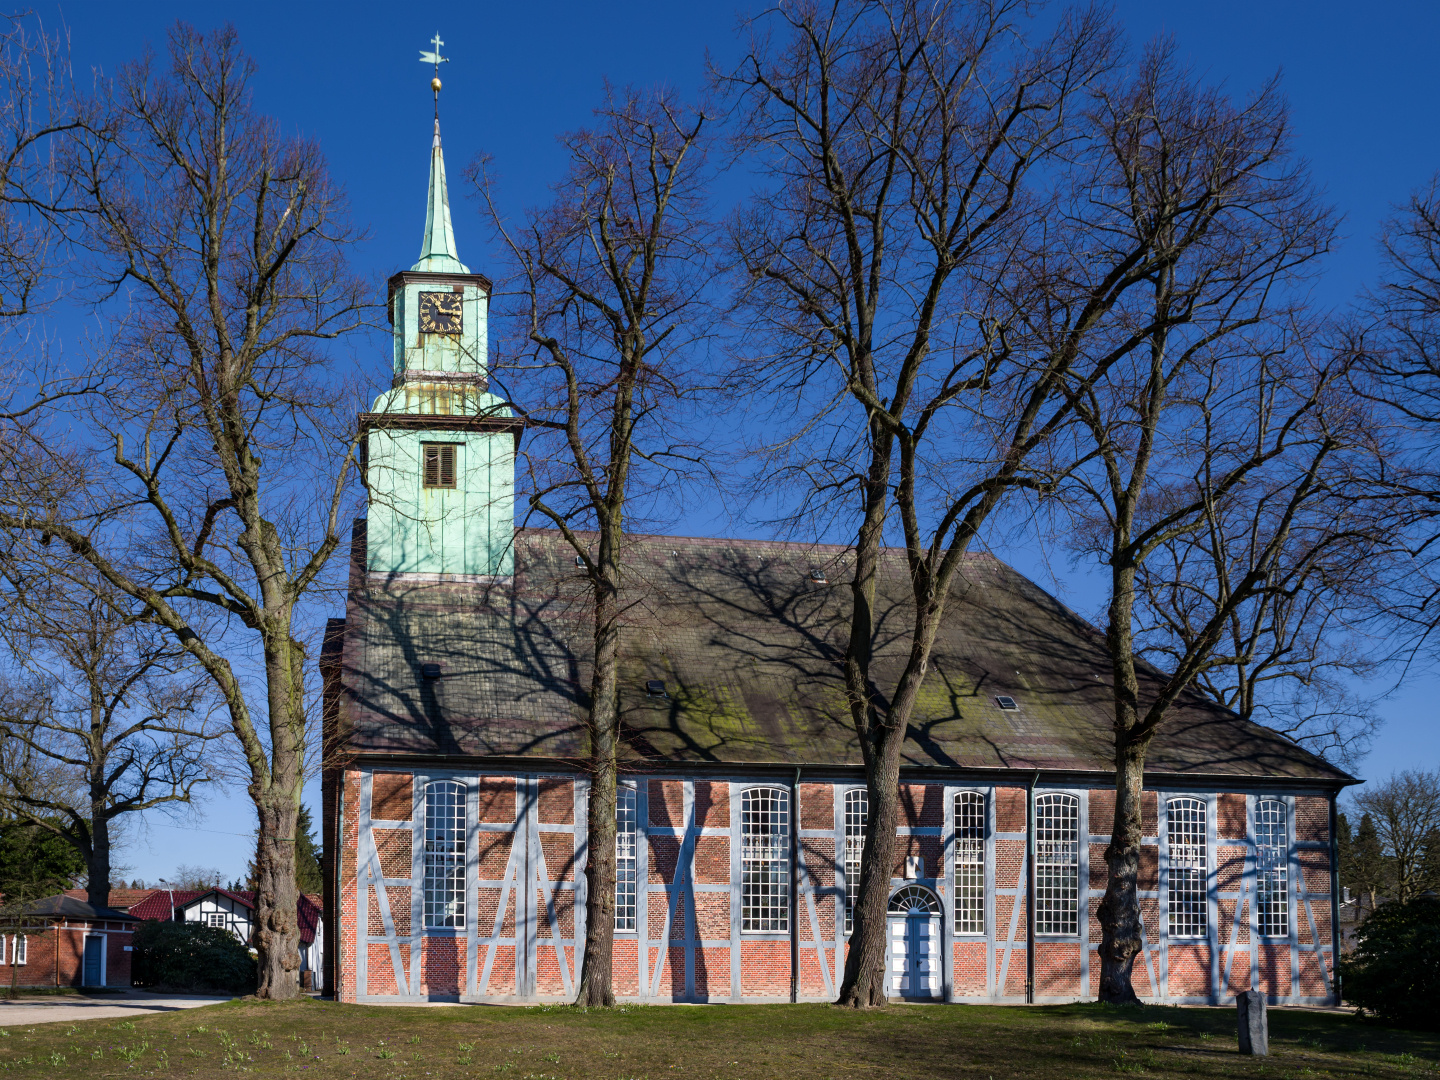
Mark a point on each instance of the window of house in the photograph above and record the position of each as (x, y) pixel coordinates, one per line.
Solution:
(216, 918)
(625, 830)
(1272, 850)
(444, 853)
(969, 863)
(765, 859)
(1057, 864)
(857, 816)
(439, 464)
(1185, 827)
(19, 946)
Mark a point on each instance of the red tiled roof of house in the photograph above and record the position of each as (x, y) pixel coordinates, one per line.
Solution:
(161, 903)
(120, 899)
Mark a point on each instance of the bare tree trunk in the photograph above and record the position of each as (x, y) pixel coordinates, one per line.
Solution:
(864, 981)
(97, 884)
(595, 975)
(276, 793)
(1119, 913)
(277, 932)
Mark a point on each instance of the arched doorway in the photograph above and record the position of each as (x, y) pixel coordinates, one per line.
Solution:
(913, 919)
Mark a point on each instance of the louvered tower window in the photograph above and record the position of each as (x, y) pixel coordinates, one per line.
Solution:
(969, 863)
(444, 853)
(1272, 856)
(765, 860)
(439, 464)
(625, 858)
(1185, 826)
(1057, 864)
(857, 815)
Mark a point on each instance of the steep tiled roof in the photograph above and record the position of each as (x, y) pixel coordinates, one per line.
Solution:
(748, 645)
(161, 903)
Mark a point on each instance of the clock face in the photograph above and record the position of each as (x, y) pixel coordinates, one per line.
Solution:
(440, 312)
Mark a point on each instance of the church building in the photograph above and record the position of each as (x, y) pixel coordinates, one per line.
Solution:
(455, 792)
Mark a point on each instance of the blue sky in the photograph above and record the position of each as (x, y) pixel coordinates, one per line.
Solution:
(1361, 79)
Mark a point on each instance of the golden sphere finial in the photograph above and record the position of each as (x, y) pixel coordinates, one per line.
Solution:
(435, 84)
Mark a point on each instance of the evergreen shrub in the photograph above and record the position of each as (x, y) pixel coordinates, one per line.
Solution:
(1394, 972)
(191, 956)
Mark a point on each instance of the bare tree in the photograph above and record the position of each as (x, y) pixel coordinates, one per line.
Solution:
(612, 280)
(898, 139)
(1289, 657)
(110, 713)
(1405, 810)
(1396, 339)
(966, 234)
(211, 491)
(1222, 447)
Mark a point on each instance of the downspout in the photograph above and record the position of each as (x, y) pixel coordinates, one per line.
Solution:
(1334, 902)
(1030, 889)
(795, 888)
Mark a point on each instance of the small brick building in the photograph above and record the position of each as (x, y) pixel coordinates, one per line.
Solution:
(455, 797)
(62, 941)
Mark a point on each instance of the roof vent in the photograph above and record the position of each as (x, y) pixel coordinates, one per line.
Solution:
(819, 578)
(1009, 704)
(429, 671)
(655, 688)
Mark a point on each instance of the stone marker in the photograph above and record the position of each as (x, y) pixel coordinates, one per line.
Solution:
(1254, 1027)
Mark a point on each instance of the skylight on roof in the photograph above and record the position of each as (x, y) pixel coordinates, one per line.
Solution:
(1009, 704)
(429, 671)
(655, 688)
(819, 578)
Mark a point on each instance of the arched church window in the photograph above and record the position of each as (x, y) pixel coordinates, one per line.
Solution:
(765, 860)
(444, 853)
(1188, 850)
(969, 863)
(1057, 864)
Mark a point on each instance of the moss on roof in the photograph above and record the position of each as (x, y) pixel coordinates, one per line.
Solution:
(749, 648)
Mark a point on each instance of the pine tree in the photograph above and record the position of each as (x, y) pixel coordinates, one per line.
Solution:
(35, 862)
(307, 855)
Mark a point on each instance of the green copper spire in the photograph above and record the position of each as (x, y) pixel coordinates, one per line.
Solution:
(437, 251)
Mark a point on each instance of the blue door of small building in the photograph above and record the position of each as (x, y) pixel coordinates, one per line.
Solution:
(93, 953)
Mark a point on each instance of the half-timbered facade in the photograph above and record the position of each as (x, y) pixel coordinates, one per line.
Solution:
(455, 791)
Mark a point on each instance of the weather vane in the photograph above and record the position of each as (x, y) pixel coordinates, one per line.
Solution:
(436, 59)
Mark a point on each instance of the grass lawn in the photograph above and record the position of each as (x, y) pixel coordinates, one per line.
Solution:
(722, 1041)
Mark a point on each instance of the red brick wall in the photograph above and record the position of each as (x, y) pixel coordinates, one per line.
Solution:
(392, 796)
(349, 852)
(53, 957)
(1189, 969)
(442, 965)
(765, 963)
(1057, 969)
(497, 799)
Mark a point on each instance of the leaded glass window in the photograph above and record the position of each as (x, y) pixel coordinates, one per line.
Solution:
(1057, 864)
(1185, 827)
(444, 853)
(857, 814)
(1272, 857)
(625, 858)
(969, 863)
(765, 860)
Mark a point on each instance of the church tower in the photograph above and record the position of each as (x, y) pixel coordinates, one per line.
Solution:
(440, 449)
